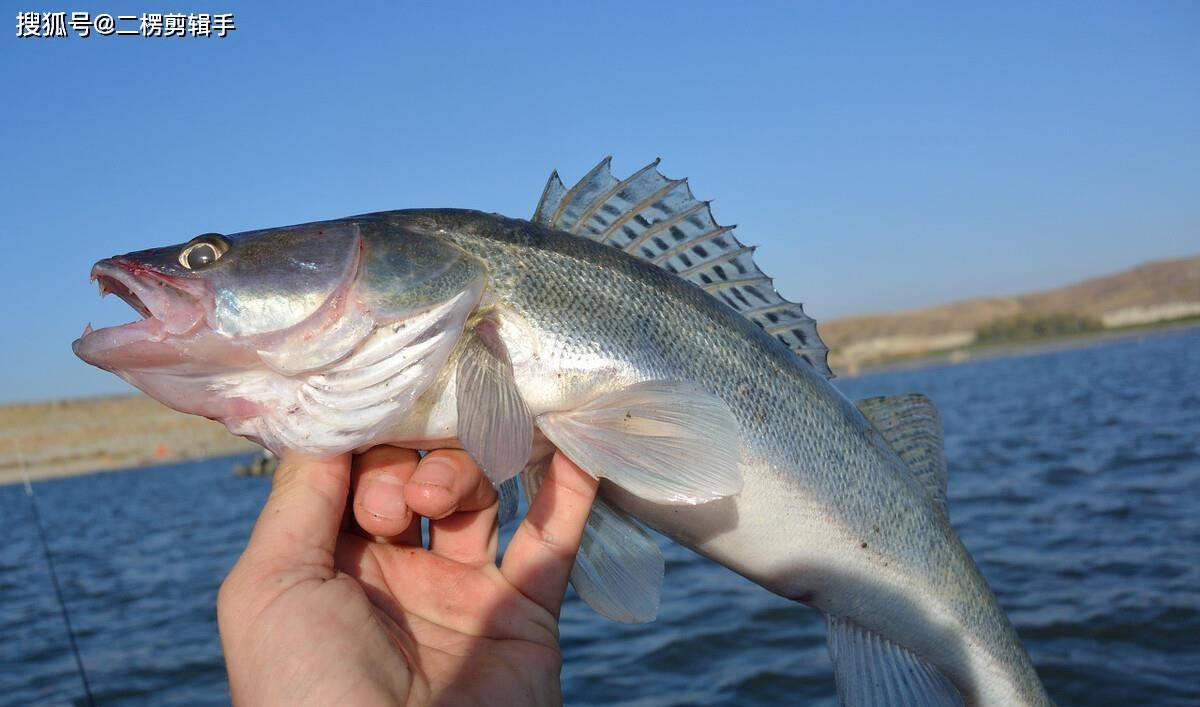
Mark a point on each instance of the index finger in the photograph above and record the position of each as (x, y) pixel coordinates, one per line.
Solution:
(540, 555)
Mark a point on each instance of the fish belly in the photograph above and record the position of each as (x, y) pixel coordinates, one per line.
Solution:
(788, 539)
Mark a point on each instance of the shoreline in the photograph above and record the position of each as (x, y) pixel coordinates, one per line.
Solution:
(62, 438)
(1022, 348)
(17, 478)
(54, 439)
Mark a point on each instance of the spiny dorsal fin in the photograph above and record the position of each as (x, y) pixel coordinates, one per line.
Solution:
(911, 425)
(657, 219)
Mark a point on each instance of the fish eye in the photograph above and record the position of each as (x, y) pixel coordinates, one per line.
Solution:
(203, 250)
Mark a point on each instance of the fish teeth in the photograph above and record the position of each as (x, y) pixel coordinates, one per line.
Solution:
(86, 330)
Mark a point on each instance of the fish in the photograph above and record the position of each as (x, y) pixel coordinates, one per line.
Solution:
(625, 327)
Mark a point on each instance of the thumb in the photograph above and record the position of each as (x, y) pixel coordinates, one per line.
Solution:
(300, 521)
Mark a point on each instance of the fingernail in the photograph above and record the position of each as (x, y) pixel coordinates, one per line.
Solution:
(384, 497)
(434, 472)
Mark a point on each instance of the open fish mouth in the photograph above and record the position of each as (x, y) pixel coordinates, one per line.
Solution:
(113, 285)
(169, 307)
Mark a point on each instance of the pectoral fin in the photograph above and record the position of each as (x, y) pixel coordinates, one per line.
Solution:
(871, 671)
(494, 424)
(509, 493)
(664, 441)
(619, 568)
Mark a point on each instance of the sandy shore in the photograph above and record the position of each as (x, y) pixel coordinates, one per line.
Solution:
(67, 437)
(1024, 348)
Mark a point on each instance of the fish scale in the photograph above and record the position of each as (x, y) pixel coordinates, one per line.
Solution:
(808, 454)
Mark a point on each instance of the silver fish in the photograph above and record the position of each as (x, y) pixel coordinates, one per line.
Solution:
(625, 327)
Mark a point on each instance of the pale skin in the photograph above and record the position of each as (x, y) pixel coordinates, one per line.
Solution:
(336, 601)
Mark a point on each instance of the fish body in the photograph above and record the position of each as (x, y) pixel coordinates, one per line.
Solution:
(405, 316)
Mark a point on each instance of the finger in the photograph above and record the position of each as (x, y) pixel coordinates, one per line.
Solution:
(377, 488)
(469, 537)
(426, 592)
(447, 481)
(358, 558)
(540, 556)
(449, 487)
(299, 523)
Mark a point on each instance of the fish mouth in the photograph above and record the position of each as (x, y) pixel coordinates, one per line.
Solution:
(112, 285)
(170, 309)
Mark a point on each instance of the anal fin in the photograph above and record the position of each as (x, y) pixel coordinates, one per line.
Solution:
(663, 441)
(872, 671)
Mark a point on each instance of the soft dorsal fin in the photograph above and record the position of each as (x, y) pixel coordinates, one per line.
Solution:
(911, 425)
(657, 219)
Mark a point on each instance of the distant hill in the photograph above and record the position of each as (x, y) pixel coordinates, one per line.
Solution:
(1158, 291)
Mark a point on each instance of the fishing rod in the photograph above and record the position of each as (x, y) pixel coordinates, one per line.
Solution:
(62, 604)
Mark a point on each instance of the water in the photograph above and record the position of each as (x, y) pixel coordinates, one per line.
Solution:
(1073, 482)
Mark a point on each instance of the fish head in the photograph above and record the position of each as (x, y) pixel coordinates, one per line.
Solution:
(256, 330)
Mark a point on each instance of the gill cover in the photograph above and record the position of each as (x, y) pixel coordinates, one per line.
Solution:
(354, 363)
(308, 295)
(271, 281)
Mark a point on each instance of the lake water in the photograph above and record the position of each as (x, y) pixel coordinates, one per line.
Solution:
(1074, 481)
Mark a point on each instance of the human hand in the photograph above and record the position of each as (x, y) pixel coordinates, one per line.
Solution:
(317, 612)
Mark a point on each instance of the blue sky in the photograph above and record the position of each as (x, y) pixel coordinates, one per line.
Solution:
(881, 157)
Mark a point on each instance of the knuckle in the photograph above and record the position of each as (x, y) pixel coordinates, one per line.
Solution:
(462, 462)
(549, 541)
(483, 493)
(576, 488)
(384, 455)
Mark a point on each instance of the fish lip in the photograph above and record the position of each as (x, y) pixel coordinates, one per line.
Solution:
(114, 283)
(168, 306)
(177, 302)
